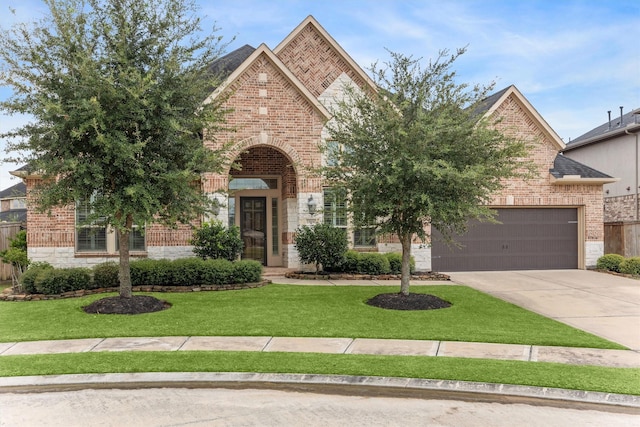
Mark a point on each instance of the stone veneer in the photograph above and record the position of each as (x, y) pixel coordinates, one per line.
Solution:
(621, 208)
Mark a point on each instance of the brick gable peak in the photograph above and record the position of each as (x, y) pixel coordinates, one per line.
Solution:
(310, 20)
(512, 92)
(263, 50)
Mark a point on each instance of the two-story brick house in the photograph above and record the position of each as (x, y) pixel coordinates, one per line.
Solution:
(280, 100)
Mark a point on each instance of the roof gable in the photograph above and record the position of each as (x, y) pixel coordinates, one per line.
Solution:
(289, 53)
(493, 102)
(263, 50)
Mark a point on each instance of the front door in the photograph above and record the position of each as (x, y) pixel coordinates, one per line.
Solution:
(253, 228)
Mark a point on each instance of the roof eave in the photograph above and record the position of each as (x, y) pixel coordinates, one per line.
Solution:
(629, 129)
(573, 179)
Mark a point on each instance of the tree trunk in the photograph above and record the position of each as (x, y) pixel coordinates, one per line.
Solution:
(405, 240)
(125, 271)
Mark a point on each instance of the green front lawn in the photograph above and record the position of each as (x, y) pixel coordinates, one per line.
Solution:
(602, 379)
(305, 311)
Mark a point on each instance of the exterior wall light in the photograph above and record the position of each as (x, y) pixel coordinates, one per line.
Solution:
(311, 205)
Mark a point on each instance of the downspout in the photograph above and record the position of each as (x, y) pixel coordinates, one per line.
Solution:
(637, 183)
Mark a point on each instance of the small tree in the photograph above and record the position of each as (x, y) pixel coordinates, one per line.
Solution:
(215, 241)
(116, 91)
(416, 152)
(16, 256)
(321, 244)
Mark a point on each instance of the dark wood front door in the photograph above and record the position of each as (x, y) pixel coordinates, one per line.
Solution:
(253, 228)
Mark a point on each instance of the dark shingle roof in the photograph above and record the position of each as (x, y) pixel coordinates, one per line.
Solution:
(16, 215)
(227, 64)
(616, 126)
(18, 190)
(489, 101)
(565, 166)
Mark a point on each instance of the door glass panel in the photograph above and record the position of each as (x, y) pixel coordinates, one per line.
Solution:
(274, 227)
(253, 228)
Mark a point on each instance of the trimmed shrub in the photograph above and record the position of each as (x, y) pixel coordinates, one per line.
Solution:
(29, 277)
(631, 266)
(151, 272)
(395, 262)
(51, 281)
(215, 241)
(321, 244)
(105, 275)
(350, 263)
(373, 263)
(187, 272)
(610, 262)
(248, 271)
(217, 272)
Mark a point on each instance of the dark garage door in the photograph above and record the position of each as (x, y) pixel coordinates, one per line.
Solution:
(526, 239)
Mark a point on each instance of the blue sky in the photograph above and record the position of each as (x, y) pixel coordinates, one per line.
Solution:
(572, 59)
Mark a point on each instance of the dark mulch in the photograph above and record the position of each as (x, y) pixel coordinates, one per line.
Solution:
(137, 304)
(408, 302)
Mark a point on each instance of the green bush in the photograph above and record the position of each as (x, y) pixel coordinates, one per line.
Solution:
(631, 266)
(51, 281)
(151, 272)
(187, 272)
(395, 262)
(29, 277)
(247, 271)
(218, 271)
(350, 263)
(610, 262)
(322, 245)
(105, 275)
(373, 263)
(215, 241)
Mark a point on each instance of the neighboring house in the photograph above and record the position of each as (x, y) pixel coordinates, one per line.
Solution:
(280, 100)
(613, 148)
(13, 203)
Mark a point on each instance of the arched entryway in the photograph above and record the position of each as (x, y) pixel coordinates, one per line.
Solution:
(259, 191)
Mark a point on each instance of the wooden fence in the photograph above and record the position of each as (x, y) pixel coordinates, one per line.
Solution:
(8, 230)
(622, 238)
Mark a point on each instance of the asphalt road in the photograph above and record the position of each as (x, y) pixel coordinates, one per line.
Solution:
(264, 407)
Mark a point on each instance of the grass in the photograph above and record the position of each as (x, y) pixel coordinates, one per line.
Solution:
(607, 380)
(284, 310)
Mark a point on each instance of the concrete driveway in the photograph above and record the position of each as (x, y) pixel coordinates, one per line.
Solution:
(599, 303)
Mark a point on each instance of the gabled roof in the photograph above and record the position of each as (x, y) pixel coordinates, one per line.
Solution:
(492, 102)
(227, 64)
(264, 50)
(568, 171)
(15, 191)
(629, 122)
(310, 20)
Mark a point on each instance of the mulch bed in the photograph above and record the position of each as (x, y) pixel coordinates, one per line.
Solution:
(137, 304)
(399, 301)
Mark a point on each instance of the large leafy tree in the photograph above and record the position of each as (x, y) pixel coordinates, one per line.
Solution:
(115, 89)
(418, 151)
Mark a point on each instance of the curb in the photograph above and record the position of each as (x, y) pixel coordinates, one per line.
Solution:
(332, 384)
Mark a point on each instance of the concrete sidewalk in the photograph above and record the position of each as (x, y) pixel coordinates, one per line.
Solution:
(527, 353)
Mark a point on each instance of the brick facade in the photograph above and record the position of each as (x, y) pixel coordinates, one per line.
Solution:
(277, 110)
(621, 208)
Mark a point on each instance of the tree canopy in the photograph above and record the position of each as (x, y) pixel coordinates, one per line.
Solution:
(115, 89)
(419, 151)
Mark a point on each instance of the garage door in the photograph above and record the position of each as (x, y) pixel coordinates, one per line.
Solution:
(526, 239)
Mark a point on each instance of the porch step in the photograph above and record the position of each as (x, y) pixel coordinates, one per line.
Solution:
(275, 271)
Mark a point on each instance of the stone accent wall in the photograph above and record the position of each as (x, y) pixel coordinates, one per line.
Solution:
(621, 208)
